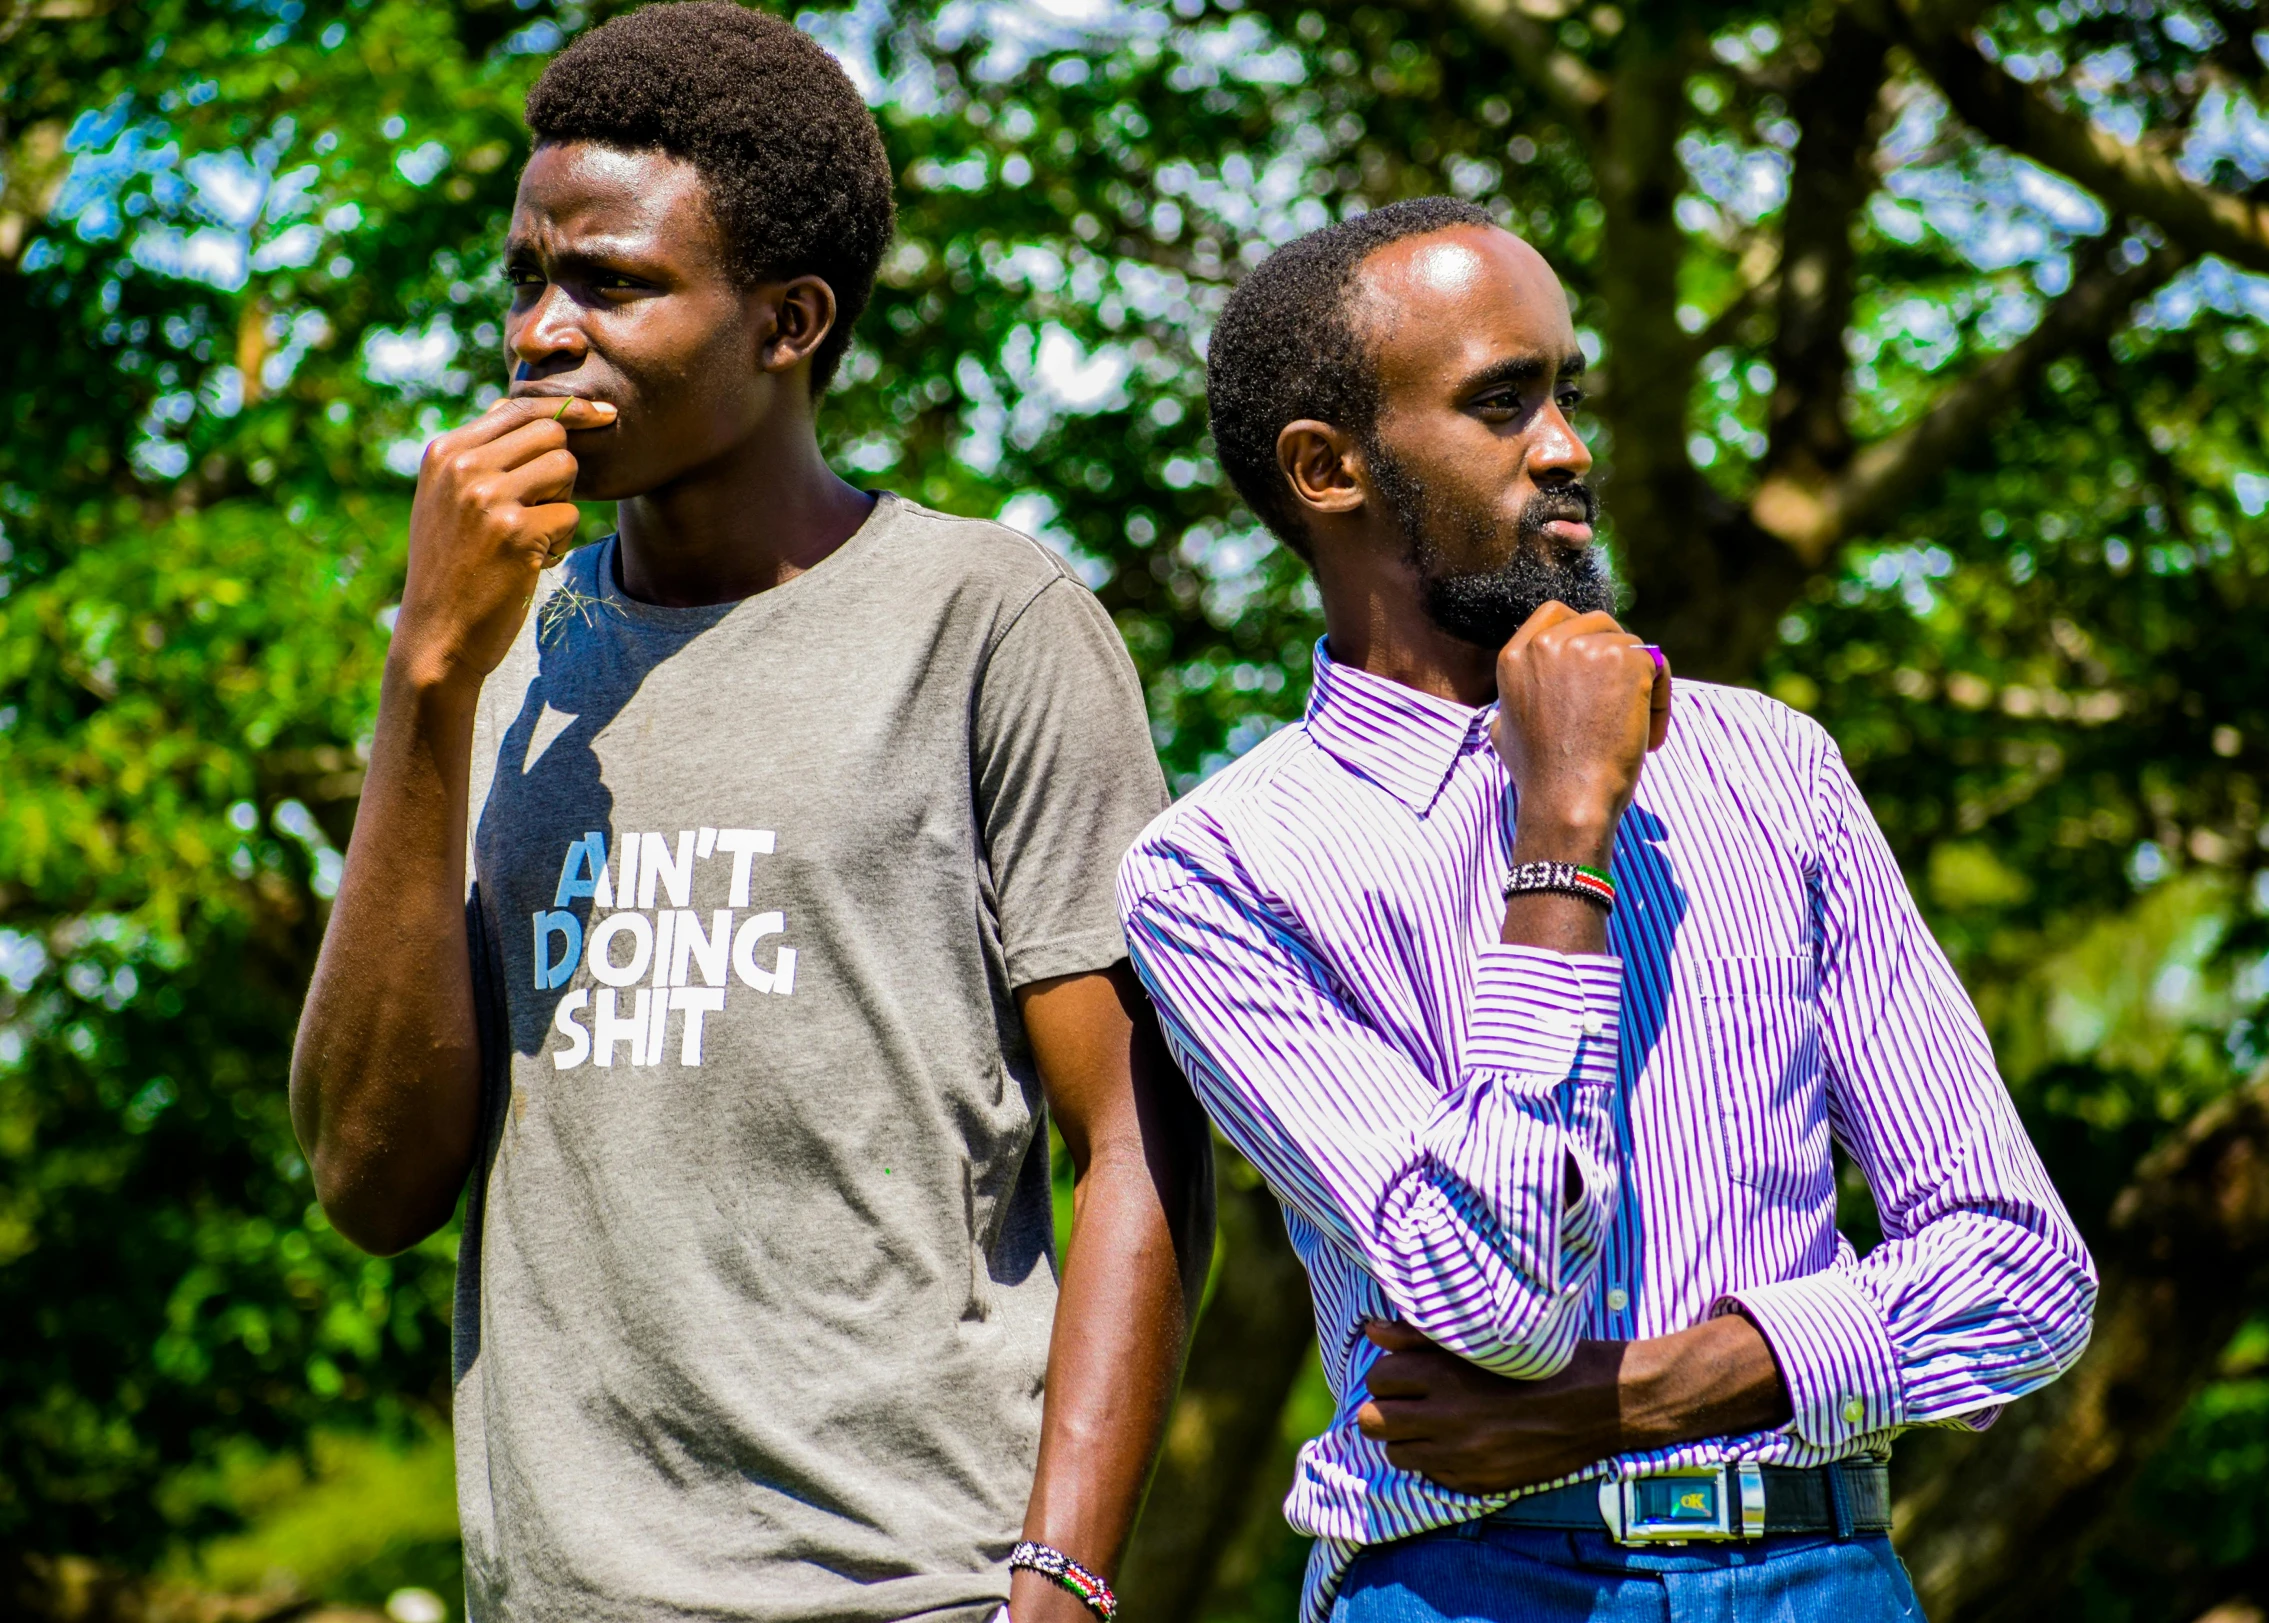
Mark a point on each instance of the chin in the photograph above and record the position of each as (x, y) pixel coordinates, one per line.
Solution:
(603, 478)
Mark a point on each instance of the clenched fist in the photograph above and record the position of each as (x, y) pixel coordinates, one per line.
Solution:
(1580, 702)
(492, 511)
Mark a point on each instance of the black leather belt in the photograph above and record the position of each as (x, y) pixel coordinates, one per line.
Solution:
(1716, 1503)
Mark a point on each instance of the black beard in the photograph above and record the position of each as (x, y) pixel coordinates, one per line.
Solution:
(1485, 607)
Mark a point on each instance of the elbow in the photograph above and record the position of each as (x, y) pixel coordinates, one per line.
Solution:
(1517, 1328)
(372, 1218)
(371, 1198)
(386, 1179)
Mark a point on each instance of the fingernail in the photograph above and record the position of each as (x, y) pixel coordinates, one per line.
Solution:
(604, 408)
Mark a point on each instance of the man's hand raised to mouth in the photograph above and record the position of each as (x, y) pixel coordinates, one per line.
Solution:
(1480, 1433)
(385, 1091)
(492, 512)
(1580, 702)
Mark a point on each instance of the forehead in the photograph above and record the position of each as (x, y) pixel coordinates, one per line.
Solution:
(1451, 303)
(581, 193)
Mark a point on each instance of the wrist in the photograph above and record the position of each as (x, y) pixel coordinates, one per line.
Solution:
(1583, 836)
(1717, 1379)
(431, 684)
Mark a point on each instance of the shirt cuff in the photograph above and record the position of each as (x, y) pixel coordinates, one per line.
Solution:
(1834, 1353)
(1543, 1014)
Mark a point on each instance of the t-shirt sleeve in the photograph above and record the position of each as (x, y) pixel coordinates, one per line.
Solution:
(1066, 778)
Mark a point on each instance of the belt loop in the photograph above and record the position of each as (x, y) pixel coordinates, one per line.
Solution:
(1839, 1504)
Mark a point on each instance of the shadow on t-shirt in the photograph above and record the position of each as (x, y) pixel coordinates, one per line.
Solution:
(545, 790)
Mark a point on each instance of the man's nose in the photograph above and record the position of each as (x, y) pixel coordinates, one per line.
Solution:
(550, 330)
(1556, 449)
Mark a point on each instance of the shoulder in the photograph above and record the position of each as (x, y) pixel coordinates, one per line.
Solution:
(971, 556)
(1230, 823)
(1755, 754)
(1707, 714)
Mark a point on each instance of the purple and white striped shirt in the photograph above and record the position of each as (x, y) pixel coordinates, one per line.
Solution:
(1318, 925)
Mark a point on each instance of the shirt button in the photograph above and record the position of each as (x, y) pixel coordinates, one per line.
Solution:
(1618, 1299)
(1854, 1410)
(1593, 1025)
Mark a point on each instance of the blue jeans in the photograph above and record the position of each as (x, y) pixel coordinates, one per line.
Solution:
(1484, 1572)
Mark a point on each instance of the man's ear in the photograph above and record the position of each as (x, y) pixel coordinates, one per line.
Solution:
(1323, 466)
(802, 315)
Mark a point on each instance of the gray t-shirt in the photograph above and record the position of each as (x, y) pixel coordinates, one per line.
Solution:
(754, 1300)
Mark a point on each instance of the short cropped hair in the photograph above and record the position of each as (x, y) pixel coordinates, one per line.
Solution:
(793, 164)
(1286, 347)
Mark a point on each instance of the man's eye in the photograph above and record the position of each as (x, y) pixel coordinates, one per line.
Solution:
(523, 276)
(1570, 399)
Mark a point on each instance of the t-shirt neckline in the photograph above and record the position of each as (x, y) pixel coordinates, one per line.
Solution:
(606, 585)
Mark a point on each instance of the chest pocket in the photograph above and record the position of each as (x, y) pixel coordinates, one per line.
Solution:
(1761, 1017)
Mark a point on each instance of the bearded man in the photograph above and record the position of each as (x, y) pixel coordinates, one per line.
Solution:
(1545, 1054)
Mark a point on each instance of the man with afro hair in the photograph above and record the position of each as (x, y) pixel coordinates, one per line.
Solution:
(728, 912)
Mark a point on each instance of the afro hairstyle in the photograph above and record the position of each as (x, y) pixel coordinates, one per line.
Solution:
(1286, 347)
(793, 165)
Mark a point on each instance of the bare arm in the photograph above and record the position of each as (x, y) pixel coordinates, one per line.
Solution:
(385, 1086)
(1480, 1433)
(1142, 1237)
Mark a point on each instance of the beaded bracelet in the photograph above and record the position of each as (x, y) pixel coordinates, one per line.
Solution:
(1564, 879)
(1059, 1568)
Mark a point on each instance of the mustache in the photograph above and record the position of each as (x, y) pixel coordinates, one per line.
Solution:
(1573, 503)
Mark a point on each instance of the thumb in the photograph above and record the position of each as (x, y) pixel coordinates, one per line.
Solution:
(1658, 702)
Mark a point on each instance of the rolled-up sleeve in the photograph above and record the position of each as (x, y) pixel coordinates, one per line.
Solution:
(1454, 1201)
(1982, 1289)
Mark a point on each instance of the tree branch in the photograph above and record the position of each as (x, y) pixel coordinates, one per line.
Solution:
(1577, 93)
(1839, 108)
(1814, 515)
(2130, 178)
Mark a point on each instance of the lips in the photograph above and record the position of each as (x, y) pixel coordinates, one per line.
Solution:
(562, 394)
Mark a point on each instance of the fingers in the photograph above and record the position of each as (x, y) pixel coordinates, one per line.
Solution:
(554, 524)
(1547, 616)
(1658, 702)
(511, 432)
(568, 411)
(1391, 1422)
(1395, 1336)
(545, 478)
(1398, 1375)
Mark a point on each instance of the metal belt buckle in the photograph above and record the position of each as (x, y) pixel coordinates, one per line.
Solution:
(1710, 1502)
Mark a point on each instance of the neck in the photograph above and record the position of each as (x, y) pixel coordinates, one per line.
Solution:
(752, 519)
(1377, 621)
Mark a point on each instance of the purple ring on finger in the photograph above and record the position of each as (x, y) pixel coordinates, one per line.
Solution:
(1654, 653)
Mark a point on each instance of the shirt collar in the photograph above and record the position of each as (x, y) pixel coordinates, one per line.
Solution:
(1405, 741)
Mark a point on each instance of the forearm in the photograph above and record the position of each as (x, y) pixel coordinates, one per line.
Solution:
(1121, 1326)
(386, 1070)
(1479, 1433)
(1717, 1379)
(1457, 1203)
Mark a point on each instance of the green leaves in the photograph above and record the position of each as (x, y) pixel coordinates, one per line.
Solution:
(247, 262)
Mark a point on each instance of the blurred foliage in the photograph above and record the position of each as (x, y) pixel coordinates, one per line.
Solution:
(354, 1520)
(248, 264)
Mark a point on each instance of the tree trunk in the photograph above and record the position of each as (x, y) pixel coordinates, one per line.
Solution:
(1255, 1332)
(2002, 1518)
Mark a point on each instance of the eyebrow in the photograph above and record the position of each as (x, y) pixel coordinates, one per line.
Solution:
(1520, 370)
(584, 252)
